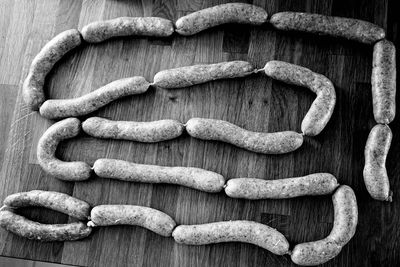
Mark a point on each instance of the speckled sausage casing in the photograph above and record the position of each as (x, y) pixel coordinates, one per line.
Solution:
(47, 145)
(375, 175)
(149, 218)
(221, 14)
(352, 29)
(187, 176)
(148, 132)
(99, 31)
(267, 143)
(232, 231)
(344, 227)
(62, 108)
(310, 185)
(24, 227)
(322, 108)
(54, 50)
(383, 80)
(53, 200)
(196, 74)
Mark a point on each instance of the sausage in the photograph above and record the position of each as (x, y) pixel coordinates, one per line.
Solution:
(53, 200)
(148, 132)
(352, 29)
(232, 231)
(151, 219)
(344, 227)
(310, 185)
(62, 108)
(322, 108)
(54, 50)
(99, 31)
(221, 14)
(132, 172)
(24, 227)
(267, 143)
(47, 145)
(375, 175)
(196, 74)
(383, 81)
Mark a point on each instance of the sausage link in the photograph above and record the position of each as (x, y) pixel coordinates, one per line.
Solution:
(63, 108)
(375, 175)
(47, 145)
(383, 80)
(42, 64)
(310, 185)
(322, 108)
(196, 74)
(344, 227)
(267, 143)
(187, 176)
(221, 14)
(99, 31)
(53, 200)
(232, 231)
(24, 227)
(148, 132)
(151, 219)
(352, 29)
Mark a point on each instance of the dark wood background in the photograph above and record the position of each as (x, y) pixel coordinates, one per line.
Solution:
(256, 103)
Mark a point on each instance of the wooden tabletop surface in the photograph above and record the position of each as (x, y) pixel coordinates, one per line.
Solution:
(256, 103)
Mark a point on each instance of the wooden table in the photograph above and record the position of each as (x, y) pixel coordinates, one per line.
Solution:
(256, 103)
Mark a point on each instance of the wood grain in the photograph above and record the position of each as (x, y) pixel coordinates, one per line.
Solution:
(255, 103)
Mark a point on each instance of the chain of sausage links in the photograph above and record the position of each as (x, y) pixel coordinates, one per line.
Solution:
(311, 253)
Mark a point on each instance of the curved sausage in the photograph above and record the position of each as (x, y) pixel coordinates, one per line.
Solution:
(151, 219)
(24, 227)
(54, 50)
(344, 227)
(62, 108)
(132, 172)
(383, 80)
(53, 200)
(310, 185)
(197, 74)
(375, 175)
(352, 29)
(99, 31)
(322, 108)
(232, 231)
(226, 13)
(47, 145)
(148, 132)
(267, 143)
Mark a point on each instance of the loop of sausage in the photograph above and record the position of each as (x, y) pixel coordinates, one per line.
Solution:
(267, 143)
(322, 108)
(344, 227)
(54, 50)
(233, 231)
(47, 145)
(99, 31)
(196, 178)
(151, 219)
(375, 175)
(226, 13)
(53, 200)
(197, 74)
(74, 107)
(310, 185)
(147, 132)
(383, 81)
(352, 29)
(24, 227)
